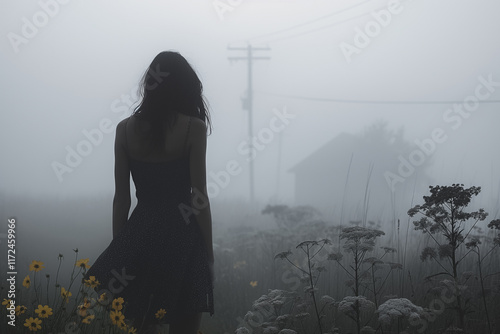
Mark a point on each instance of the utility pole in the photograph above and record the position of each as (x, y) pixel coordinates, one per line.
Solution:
(278, 168)
(248, 102)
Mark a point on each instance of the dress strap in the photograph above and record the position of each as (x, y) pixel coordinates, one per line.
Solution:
(187, 135)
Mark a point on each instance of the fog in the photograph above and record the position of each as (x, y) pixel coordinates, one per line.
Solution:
(428, 71)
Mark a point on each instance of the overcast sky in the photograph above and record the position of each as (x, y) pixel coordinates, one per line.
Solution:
(73, 70)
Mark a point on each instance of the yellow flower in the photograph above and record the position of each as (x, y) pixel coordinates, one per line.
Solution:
(117, 304)
(43, 311)
(82, 263)
(6, 302)
(116, 317)
(132, 330)
(20, 309)
(65, 294)
(253, 284)
(87, 319)
(161, 312)
(102, 298)
(27, 282)
(36, 266)
(82, 309)
(33, 324)
(92, 282)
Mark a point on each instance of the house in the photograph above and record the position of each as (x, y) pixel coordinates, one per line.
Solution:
(348, 178)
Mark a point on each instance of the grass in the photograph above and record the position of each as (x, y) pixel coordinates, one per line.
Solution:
(245, 271)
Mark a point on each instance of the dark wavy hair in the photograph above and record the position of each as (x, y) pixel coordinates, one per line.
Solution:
(168, 86)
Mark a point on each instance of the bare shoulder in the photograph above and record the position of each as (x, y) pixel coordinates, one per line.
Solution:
(120, 129)
(197, 133)
(198, 127)
(121, 125)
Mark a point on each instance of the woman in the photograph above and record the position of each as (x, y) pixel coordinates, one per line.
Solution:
(160, 260)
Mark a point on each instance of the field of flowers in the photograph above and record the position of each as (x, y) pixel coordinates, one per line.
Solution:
(52, 308)
(438, 272)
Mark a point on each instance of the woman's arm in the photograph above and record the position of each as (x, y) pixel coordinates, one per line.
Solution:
(201, 206)
(121, 201)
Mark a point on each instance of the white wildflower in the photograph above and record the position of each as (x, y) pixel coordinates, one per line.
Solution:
(302, 315)
(335, 256)
(395, 265)
(277, 302)
(366, 246)
(265, 305)
(367, 330)
(428, 252)
(283, 255)
(248, 316)
(358, 232)
(287, 331)
(242, 330)
(264, 308)
(350, 303)
(327, 299)
(261, 299)
(373, 260)
(445, 250)
(396, 308)
(283, 318)
(270, 330)
(414, 316)
(302, 307)
(494, 224)
(275, 293)
(307, 244)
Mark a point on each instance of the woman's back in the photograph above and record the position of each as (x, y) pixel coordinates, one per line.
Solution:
(159, 176)
(176, 141)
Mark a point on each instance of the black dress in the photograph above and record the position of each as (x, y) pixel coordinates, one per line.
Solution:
(159, 258)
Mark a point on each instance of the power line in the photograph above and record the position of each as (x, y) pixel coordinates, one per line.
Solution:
(308, 22)
(324, 99)
(319, 28)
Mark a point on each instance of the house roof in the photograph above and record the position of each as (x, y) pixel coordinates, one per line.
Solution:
(337, 144)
